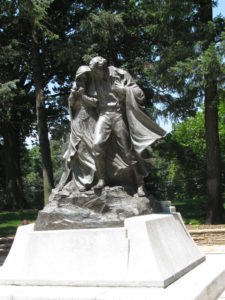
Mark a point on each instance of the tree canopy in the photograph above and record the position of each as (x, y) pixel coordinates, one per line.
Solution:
(175, 51)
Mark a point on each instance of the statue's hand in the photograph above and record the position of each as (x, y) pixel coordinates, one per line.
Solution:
(80, 91)
(90, 100)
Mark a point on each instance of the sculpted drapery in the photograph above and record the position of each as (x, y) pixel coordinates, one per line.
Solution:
(110, 132)
(83, 114)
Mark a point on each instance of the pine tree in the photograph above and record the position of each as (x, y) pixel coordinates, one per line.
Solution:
(215, 212)
(33, 14)
(15, 112)
(186, 71)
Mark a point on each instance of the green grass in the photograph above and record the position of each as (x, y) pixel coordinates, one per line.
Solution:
(9, 221)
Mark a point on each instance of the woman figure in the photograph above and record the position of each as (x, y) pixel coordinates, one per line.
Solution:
(79, 157)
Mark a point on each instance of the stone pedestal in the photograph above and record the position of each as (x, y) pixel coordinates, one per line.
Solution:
(149, 251)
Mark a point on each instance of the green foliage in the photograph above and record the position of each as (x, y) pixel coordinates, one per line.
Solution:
(32, 177)
(180, 169)
(105, 31)
(194, 222)
(32, 170)
(191, 135)
(6, 90)
(182, 57)
(36, 13)
(163, 44)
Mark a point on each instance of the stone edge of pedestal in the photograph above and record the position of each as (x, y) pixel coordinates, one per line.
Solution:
(101, 283)
(199, 284)
(121, 282)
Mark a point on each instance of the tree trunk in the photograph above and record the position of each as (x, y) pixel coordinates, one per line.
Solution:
(11, 162)
(214, 206)
(48, 180)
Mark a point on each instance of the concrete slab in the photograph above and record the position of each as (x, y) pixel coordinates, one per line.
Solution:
(151, 250)
(205, 282)
(161, 249)
(43, 256)
(59, 293)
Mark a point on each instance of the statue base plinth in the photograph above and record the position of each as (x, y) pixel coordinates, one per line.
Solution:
(102, 208)
(149, 251)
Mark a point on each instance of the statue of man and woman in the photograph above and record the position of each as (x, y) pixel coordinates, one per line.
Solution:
(110, 132)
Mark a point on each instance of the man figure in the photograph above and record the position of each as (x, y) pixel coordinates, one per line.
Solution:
(120, 102)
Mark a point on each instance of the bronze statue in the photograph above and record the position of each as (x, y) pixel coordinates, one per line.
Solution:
(109, 130)
(120, 104)
(79, 157)
(107, 157)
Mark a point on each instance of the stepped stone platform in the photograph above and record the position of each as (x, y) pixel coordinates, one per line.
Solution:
(205, 282)
(150, 250)
(149, 263)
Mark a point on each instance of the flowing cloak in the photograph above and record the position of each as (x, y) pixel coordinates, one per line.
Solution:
(80, 163)
(143, 130)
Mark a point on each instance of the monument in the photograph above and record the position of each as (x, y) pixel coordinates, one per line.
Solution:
(107, 156)
(101, 227)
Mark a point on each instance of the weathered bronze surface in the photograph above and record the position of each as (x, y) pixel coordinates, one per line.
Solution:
(109, 140)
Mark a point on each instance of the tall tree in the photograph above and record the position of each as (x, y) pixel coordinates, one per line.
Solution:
(15, 109)
(185, 71)
(48, 181)
(48, 23)
(33, 15)
(215, 211)
(10, 130)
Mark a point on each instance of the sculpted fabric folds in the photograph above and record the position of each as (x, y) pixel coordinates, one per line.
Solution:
(109, 130)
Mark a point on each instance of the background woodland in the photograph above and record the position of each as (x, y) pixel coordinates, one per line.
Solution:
(175, 51)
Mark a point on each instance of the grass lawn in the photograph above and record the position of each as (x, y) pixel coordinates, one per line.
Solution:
(192, 213)
(9, 221)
